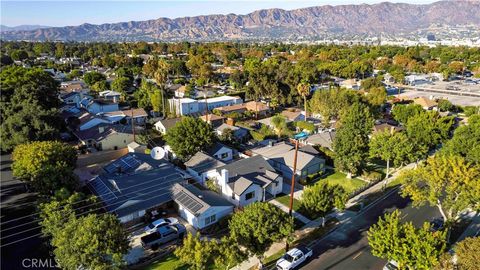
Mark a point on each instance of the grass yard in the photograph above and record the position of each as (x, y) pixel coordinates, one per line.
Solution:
(339, 178)
(169, 262)
(285, 200)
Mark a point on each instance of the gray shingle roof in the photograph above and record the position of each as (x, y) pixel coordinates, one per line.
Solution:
(245, 172)
(201, 162)
(285, 153)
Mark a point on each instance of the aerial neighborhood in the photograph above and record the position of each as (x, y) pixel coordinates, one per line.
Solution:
(225, 155)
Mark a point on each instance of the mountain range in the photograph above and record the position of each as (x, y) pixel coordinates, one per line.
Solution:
(270, 24)
(4, 28)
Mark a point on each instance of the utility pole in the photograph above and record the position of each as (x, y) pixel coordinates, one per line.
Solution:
(206, 107)
(131, 119)
(292, 187)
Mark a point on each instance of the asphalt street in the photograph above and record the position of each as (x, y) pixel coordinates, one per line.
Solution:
(347, 247)
(16, 203)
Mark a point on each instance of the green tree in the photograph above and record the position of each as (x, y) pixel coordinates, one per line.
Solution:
(467, 253)
(372, 82)
(227, 253)
(303, 90)
(402, 242)
(189, 136)
(448, 182)
(47, 165)
(444, 105)
(75, 73)
(196, 253)
(100, 86)
(279, 123)
(471, 110)
(19, 55)
(321, 198)
(259, 225)
(391, 147)
(402, 113)
(377, 96)
(330, 104)
(426, 130)
(92, 77)
(351, 141)
(121, 85)
(466, 141)
(92, 241)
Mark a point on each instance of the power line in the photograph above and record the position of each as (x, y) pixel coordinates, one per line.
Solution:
(95, 203)
(143, 183)
(76, 215)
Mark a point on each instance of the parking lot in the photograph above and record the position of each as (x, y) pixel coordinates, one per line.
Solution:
(455, 99)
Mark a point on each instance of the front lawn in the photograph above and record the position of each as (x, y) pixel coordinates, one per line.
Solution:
(338, 178)
(169, 262)
(285, 200)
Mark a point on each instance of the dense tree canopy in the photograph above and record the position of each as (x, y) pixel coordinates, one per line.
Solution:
(28, 106)
(466, 140)
(410, 247)
(189, 136)
(259, 225)
(321, 198)
(448, 182)
(351, 140)
(47, 165)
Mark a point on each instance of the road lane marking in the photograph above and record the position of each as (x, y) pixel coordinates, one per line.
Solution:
(358, 254)
(405, 216)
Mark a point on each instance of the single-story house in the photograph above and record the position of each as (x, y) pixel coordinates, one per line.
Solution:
(386, 127)
(281, 157)
(201, 166)
(88, 120)
(106, 137)
(293, 115)
(241, 134)
(164, 125)
(200, 208)
(324, 139)
(139, 115)
(213, 119)
(134, 184)
(426, 103)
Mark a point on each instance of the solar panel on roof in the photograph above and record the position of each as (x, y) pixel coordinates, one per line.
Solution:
(102, 190)
(187, 201)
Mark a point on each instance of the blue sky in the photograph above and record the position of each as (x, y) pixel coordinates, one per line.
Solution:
(62, 13)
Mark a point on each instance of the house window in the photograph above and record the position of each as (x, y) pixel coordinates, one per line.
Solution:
(249, 195)
(210, 219)
(224, 155)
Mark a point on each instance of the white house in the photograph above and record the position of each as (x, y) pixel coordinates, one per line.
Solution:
(248, 180)
(200, 208)
(110, 95)
(220, 152)
(164, 125)
(202, 166)
(186, 106)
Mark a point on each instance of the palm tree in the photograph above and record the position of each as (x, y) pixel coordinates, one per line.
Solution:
(303, 89)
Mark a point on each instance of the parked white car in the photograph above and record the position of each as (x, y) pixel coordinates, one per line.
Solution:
(391, 265)
(293, 258)
(153, 227)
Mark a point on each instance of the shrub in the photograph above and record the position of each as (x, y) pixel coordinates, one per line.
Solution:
(372, 176)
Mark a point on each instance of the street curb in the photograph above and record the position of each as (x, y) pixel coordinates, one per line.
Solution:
(315, 242)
